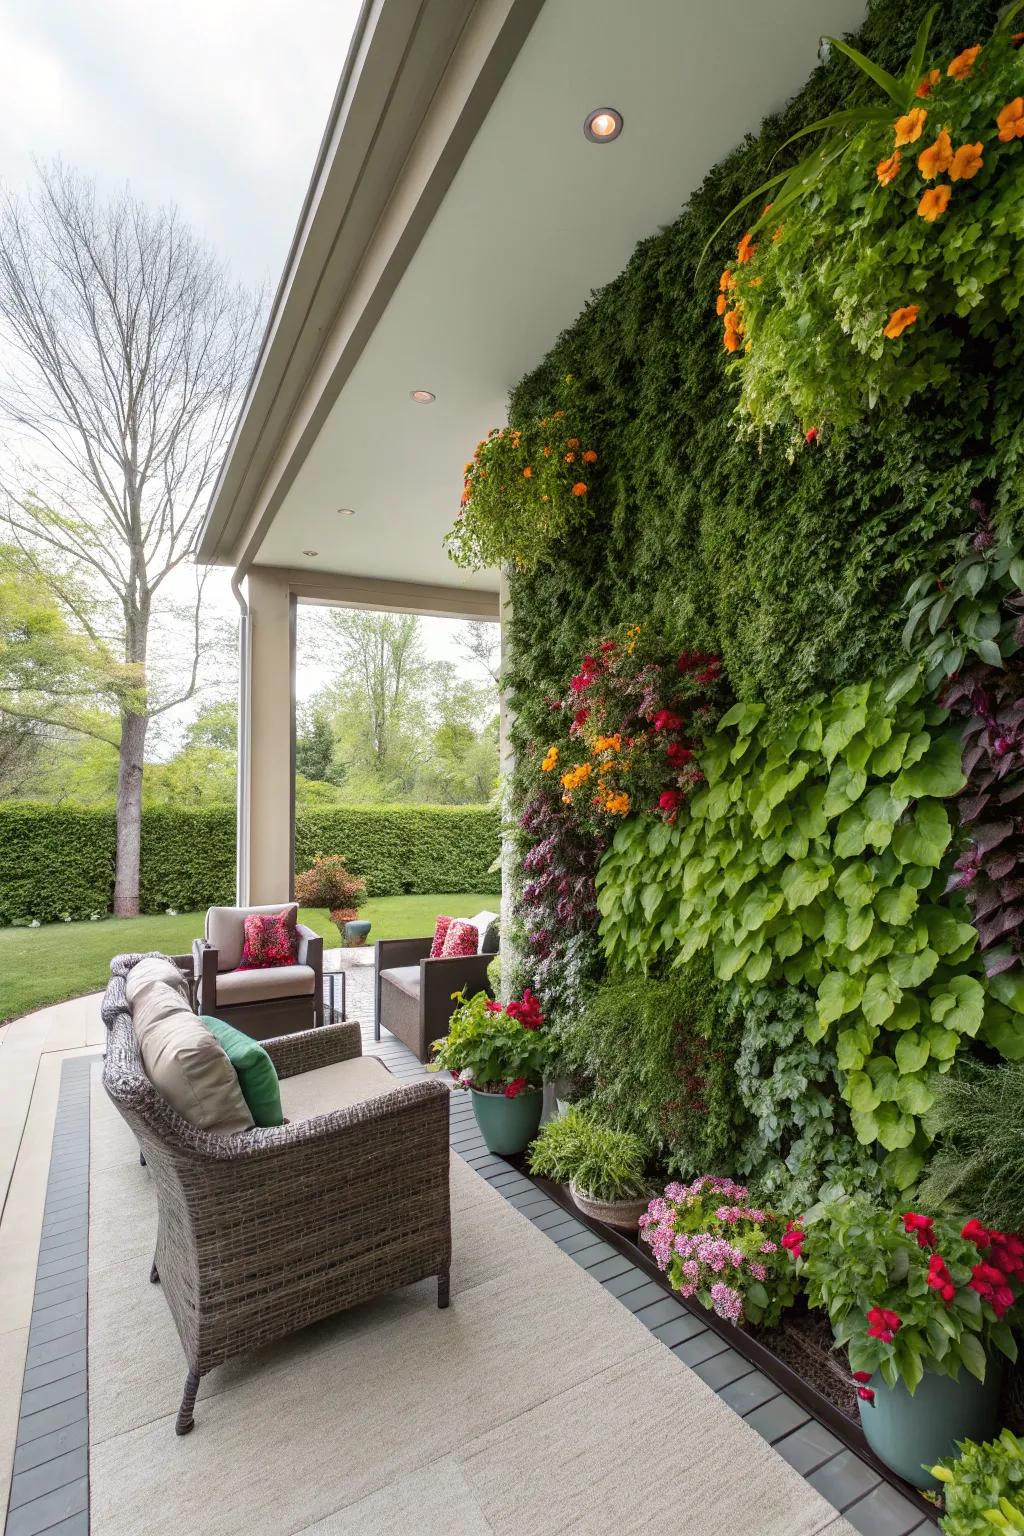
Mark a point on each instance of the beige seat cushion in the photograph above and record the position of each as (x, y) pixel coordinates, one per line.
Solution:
(405, 977)
(225, 929)
(262, 986)
(336, 1087)
(152, 969)
(186, 1064)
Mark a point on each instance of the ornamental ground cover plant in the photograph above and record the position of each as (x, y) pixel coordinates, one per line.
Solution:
(495, 1047)
(906, 1293)
(715, 1244)
(983, 1487)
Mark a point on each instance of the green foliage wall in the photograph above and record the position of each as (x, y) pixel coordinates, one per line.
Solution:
(58, 861)
(788, 560)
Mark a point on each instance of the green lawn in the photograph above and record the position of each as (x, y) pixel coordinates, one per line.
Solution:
(60, 960)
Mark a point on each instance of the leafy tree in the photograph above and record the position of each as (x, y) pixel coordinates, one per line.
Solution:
(216, 725)
(314, 746)
(128, 349)
(379, 699)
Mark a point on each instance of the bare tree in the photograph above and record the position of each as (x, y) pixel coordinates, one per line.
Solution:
(480, 643)
(127, 348)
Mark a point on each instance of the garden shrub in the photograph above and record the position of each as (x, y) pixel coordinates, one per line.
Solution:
(659, 1060)
(58, 861)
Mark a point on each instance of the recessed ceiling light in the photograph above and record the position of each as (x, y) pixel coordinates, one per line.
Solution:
(312, 553)
(603, 125)
(346, 511)
(422, 396)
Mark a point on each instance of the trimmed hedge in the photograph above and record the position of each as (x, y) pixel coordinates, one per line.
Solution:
(58, 861)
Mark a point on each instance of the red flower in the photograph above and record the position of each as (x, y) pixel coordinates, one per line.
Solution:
(579, 720)
(811, 435)
(975, 1233)
(882, 1324)
(702, 664)
(527, 1010)
(793, 1239)
(866, 1393)
(923, 1226)
(515, 1088)
(607, 645)
(677, 754)
(669, 802)
(494, 1007)
(668, 720)
(862, 1375)
(940, 1279)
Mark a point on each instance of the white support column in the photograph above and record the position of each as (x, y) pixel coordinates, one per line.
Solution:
(266, 798)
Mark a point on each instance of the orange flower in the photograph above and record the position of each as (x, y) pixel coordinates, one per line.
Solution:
(934, 202)
(570, 458)
(901, 318)
(910, 128)
(557, 415)
(1016, 39)
(617, 805)
(547, 453)
(967, 162)
(1011, 120)
(726, 281)
(928, 84)
(590, 457)
(572, 442)
(962, 65)
(721, 304)
(579, 489)
(746, 248)
(550, 760)
(778, 234)
(731, 341)
(938, 157)
(888, 170)
(527, 473)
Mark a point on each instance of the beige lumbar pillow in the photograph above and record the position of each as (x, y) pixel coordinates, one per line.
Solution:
(152, 969)
(186, 1064)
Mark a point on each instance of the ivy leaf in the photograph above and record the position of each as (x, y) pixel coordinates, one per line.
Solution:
(914, 1095)
(966, 1017)
(803, 881)
(910, 970)
(1009, 989)
(838, 994)
(925, 838)
(895, 1127)
(789, 940)
(945, 932)
(939, 771)
(896, 905)
(903, 1166)
(861, 1093)
(911, 1051)
(881, 994)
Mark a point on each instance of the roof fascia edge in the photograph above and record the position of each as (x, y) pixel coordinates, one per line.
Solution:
(451, 69)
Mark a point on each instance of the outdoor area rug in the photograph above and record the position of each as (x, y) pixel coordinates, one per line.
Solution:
(535, 1405)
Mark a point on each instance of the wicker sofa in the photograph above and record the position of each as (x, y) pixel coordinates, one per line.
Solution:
(263, 1232)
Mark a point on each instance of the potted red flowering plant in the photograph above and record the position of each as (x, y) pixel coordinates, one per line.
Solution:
(924, 1307)
(499, 1052)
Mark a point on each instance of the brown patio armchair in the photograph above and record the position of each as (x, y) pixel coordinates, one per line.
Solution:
(261, 1232)
(414, 993)
(261, 1003)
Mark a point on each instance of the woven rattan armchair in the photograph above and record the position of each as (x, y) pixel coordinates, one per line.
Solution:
(262, 1233)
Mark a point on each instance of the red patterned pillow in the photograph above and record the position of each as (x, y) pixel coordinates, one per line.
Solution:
(440, 930)
(461, 939)
(270, 940)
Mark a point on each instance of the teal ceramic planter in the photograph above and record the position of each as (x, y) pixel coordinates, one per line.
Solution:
(912, 1433)
(356, 931)
(508, 1125)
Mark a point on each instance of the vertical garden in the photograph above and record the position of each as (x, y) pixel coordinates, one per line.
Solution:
(761, 510)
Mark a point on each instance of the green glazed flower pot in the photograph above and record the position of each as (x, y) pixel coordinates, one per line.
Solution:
(508, 1125)
(355, 932)
(912, 1433)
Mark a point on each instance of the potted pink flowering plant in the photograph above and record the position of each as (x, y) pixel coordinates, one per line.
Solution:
(499, 1052)
(716, 1245)
(925, 1308)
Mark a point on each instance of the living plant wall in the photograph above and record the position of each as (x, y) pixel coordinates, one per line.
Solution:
(766, 627)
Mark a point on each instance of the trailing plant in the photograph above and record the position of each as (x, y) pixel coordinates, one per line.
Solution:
(603, 1162)
(813, 855)
(909, 1293)
(983, 1487)
(800, 1148)
(526, 489)
(713, 1244)
(659, 1060)
(969, 612)
(978, 1166)
(495, 1047)
(557, 897)
(908, 255)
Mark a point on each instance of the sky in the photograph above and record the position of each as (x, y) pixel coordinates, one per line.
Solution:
(215, 105)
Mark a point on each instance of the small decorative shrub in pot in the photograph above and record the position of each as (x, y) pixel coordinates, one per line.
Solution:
(603, 1167)
(329, 883)
(499, 1051)
(714, 1244)
(983, 1487)
(924, 1307)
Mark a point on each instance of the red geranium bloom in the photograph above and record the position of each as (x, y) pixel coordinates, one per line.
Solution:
(862, 1375)
(515, 1088)
(923, 1226)
(669, 802)
(882, 1324)
(940, 1279)
(668, 720)
(866, 1393)
(493, 1007)
(811, 435)
(677, 754)
(793, 1239)
(526, 1010)
(975, 1233)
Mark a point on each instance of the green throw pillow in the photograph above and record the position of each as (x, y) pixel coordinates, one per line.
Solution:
(257, 1077)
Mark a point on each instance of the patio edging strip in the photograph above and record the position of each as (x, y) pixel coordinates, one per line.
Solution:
(50, 1476)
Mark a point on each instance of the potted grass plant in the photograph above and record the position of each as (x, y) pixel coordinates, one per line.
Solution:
(925, 1308)
(605, 1169)
(499, 1052)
